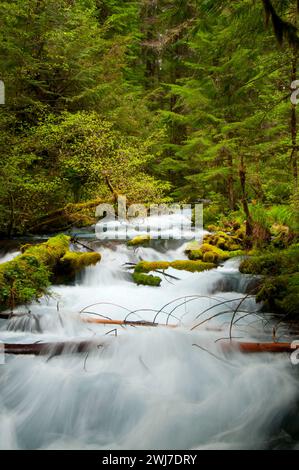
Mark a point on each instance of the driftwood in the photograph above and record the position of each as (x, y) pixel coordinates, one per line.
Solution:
(73, 347)
(246, 347)
(103, 321)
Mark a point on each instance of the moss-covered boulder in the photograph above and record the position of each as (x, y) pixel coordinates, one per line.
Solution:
(224, 241)
(272, 263)
(28, 276)
(218, 247)
(195, 255)
(146, 279)
(280, 294)
(219, 254)
(279, 286)
(140, 240)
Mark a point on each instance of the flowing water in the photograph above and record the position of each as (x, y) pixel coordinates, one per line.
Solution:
(146, 387)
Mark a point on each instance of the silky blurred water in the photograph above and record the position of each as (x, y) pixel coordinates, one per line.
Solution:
(147, 388)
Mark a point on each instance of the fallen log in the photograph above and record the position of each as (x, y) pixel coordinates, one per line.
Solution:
(5, 316)
(246, 347)
(28, 276)
(103, 321)
(66, 217)
(51, 349)
(73, 347)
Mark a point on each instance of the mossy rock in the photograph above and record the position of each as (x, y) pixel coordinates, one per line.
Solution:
(224, 241)
(146, 279)
(219, 254)
(280, 294)
(192, 246)
(193, 251)
(272, 263)
(195, 255)
(141, 240)
(237, 253)
(279, 288)
(210, 257)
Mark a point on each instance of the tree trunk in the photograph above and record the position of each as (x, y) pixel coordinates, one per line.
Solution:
(294, 152)
(242, 175)
(230, 182)
(11, 224)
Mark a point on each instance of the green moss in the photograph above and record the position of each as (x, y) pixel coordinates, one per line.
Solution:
(191, 246)
(191, 266)
(233, 254)
(28, 276)
(193, 251)
(279, 287)
(195, 255)
(182, 265)
(141, 240)
(146, 280)
(148, 266)
(25, 247)
(272, 263)
(280, 294)
(219, 254)
(224, 241)
(73, 262)
(209, 257)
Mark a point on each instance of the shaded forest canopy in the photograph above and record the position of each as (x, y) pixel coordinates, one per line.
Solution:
(161, 99)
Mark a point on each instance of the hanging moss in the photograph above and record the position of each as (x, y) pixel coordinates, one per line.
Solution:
(219, 254)
(146, 280)
(141, 240)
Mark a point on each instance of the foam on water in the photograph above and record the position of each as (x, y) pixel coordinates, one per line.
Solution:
(148, 388)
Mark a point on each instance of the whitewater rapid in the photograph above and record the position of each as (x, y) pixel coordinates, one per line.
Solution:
(145, 388)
